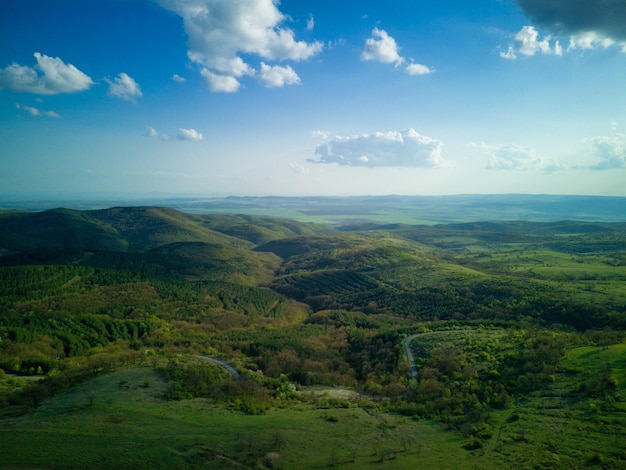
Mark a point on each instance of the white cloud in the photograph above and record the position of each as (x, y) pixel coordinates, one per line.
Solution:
(220, 83)
(189, 134)
(221, 31)
(152, 132)
(310, 23)
(50, 76)
(611, 151)
(320, 134)
(303, 170)
(528, 43)
(418, 69)
(383, 149)
(277, 76)
(558, 49)
(509, 54)
(591, 40)
(382, 48)
(178, 79)
(124, 87)
(513, 157)
(330, 45)
(36, 112)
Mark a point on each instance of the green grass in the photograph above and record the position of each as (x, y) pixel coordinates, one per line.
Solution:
(566, 424)
(119, 421)
(563, 428)
(588, 277)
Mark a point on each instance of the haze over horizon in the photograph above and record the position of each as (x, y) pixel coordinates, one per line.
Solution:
(295, 98)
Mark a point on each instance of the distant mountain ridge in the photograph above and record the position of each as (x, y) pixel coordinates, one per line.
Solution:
(381, 209)
(138, 229)
(151, 240)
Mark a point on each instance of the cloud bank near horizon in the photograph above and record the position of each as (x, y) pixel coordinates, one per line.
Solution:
(407, 148)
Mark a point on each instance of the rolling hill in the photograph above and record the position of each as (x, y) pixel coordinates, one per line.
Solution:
(529, 318)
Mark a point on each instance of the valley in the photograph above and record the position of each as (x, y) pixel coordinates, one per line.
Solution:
(516, 328)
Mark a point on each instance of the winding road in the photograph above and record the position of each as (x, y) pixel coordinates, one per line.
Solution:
(409, 354)
(407, 349)
(224, 365)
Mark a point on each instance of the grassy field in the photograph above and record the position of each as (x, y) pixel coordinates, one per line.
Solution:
(577, 421)
(590, 277)
(564, 428)
(119, 421)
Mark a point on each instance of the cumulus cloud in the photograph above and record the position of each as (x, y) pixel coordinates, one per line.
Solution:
(513, 157)
(178, 79)
(382, 48)
(36, 112)
(528, 43)
(590, 40)
(604, 17)
(277, 76)
(383, 149)
(220, 32)
(611, 150)
(220, 83)
(418, 69)
(310, 23)
(124, 88)
(50, 76)
(189, 134)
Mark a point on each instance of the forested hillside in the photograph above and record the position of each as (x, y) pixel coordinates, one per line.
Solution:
(297, 306)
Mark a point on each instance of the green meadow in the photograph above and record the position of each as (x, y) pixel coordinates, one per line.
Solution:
(121, 420)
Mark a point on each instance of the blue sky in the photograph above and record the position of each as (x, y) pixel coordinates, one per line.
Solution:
(258, 97)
